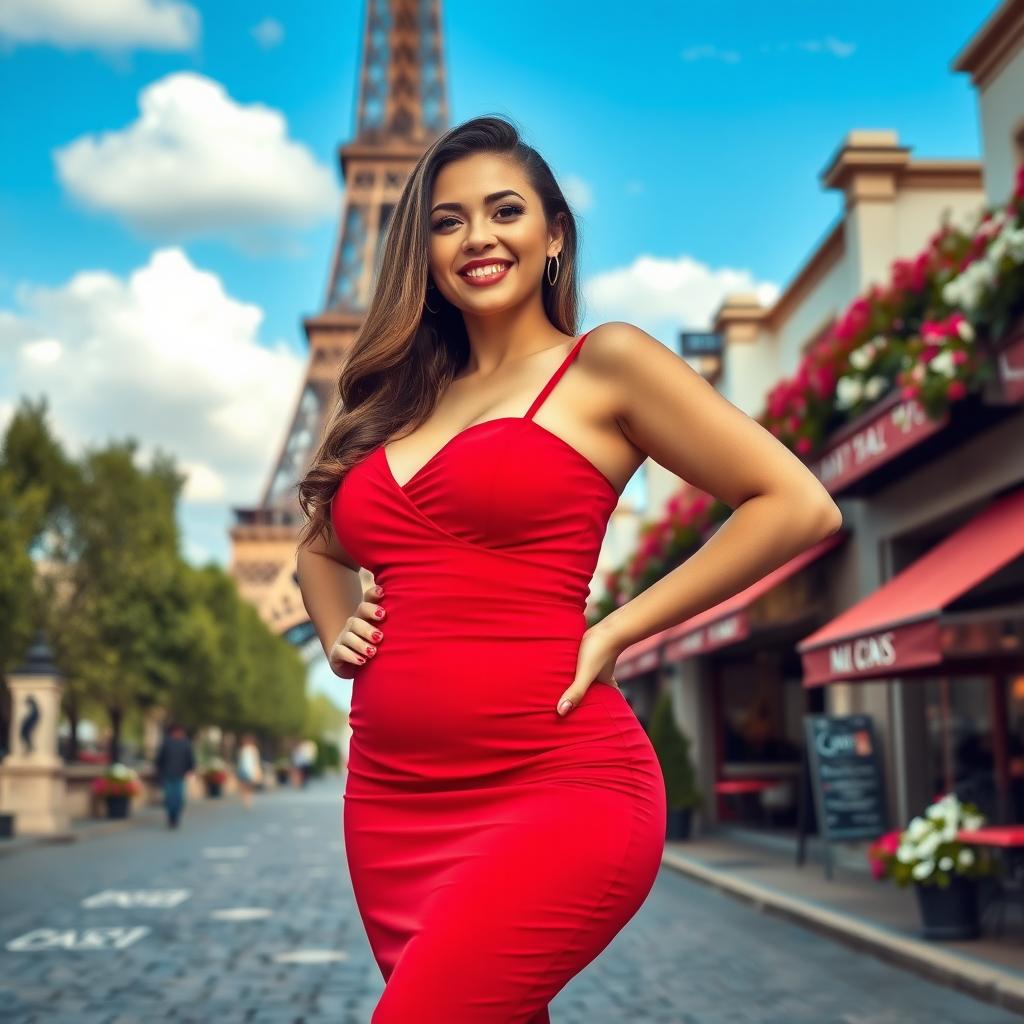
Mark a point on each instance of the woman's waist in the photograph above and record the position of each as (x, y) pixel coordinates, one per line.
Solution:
(431, 745)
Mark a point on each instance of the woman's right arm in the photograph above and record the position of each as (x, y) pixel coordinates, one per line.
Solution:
(332, 592)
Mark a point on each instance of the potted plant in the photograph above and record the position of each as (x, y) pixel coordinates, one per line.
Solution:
(673, 749)
(214, 774)
(283, 771)
(117, 785)
(943, 870)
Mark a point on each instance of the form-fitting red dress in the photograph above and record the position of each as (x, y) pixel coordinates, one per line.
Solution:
(495, 848)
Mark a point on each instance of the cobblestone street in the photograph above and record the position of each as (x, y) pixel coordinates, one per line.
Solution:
(249, 917)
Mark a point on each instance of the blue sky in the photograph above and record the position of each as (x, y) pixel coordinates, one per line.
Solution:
(169, 194)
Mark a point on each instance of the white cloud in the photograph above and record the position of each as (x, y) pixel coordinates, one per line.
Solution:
(112, 25)
(830, 45)
(165, 356)
(669, 294)
(708, 52)
(196, 163)
(269, 32)
(577, 192)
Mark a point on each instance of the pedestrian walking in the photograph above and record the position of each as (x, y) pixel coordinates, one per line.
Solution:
(174, 760)
(303, 757)
(248, 769)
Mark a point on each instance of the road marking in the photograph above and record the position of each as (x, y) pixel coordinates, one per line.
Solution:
(43, 939)
(311, 956)
(162, 899)
(242, 913)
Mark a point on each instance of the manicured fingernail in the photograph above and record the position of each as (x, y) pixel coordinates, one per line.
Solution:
(565, 706)
(360, 660)
(380, 590)
(376, 635)
(379, 613)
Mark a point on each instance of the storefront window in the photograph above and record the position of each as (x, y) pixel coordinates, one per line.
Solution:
(961, 754)
(762, 716)
(1015, 745)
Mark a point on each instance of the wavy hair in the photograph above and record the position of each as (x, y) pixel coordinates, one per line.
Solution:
(404, 357)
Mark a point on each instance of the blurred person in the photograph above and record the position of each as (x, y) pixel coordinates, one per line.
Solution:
(248, 768)
(304, 757)
(174, 760)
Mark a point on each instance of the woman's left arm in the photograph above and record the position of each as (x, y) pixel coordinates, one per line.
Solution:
(672, 413)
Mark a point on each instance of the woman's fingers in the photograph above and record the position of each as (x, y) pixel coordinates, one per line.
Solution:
(358, 640)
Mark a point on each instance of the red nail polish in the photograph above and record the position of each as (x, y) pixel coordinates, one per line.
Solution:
(360, 659)
(376, 635)
(379, 613)
(371, 650)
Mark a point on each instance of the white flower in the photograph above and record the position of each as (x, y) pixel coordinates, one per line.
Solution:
(946, 863)
(929, 844)
(966, 856)
(965, 330)
(874, 387)
(943, 363)
(860, 358)
(974, 821)
(848, 391)
(905, 853)
(923, 869)
(917, 828)
(936, 810)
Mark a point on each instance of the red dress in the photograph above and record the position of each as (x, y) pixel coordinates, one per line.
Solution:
(495, 848)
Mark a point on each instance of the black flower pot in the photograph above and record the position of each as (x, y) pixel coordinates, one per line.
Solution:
(950, 913)
(117, 806)
(678, 823)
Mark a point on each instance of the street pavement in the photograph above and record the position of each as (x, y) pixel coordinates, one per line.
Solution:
(249, 917)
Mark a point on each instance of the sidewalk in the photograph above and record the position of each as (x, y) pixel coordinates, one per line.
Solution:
(151, 816)
(875, 917)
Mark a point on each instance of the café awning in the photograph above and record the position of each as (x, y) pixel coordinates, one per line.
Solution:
(725, 623)
(897, 628)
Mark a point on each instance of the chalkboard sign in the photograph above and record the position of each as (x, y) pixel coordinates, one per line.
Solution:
(846, 777)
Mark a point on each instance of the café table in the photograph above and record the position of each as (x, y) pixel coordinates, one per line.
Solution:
(742, 787)
(1008, 840)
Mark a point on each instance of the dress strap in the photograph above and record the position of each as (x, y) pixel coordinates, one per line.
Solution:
(555, 377)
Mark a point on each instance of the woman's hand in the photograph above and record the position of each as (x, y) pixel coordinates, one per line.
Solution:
(595, 662)
(359, 637)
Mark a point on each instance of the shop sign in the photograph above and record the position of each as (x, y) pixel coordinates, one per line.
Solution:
(729, 630)
(889, 431)
(842, 758)
(878, 655)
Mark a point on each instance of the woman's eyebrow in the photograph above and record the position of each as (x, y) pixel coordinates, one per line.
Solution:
(487, 200)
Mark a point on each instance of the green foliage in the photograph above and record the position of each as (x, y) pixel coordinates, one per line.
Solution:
(673, 749)
(90, 550)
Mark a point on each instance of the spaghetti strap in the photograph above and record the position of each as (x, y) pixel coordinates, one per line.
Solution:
(555, 377)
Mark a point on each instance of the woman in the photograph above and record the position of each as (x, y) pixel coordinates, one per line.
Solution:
(503, 816)
(248, 769)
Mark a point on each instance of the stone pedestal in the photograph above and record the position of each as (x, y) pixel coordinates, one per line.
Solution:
(32, 783)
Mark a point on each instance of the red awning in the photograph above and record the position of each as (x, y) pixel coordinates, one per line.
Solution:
(897, 627)
(725, 623)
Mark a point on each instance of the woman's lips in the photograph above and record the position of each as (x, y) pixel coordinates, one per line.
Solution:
(482, 282)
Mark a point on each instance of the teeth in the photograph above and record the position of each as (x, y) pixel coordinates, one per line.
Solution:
(486, 271)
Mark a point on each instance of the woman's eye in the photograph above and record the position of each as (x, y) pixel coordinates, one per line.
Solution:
(514, 208)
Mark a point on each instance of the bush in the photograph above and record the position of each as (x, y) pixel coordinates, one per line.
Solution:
(673, 749)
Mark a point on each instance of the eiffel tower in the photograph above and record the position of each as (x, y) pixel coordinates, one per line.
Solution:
(402, 108)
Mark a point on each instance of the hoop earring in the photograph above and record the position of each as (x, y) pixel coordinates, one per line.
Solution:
(558, 267)
(425, 303)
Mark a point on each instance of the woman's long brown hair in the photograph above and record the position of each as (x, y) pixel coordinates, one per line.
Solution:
(403, 356)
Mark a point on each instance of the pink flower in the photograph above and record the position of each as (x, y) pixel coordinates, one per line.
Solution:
(803, 445)
(910, 391)
(959, 356)
(930, 351)
(956, 390)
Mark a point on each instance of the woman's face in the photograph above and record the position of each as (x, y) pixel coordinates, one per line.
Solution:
(483, 208)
